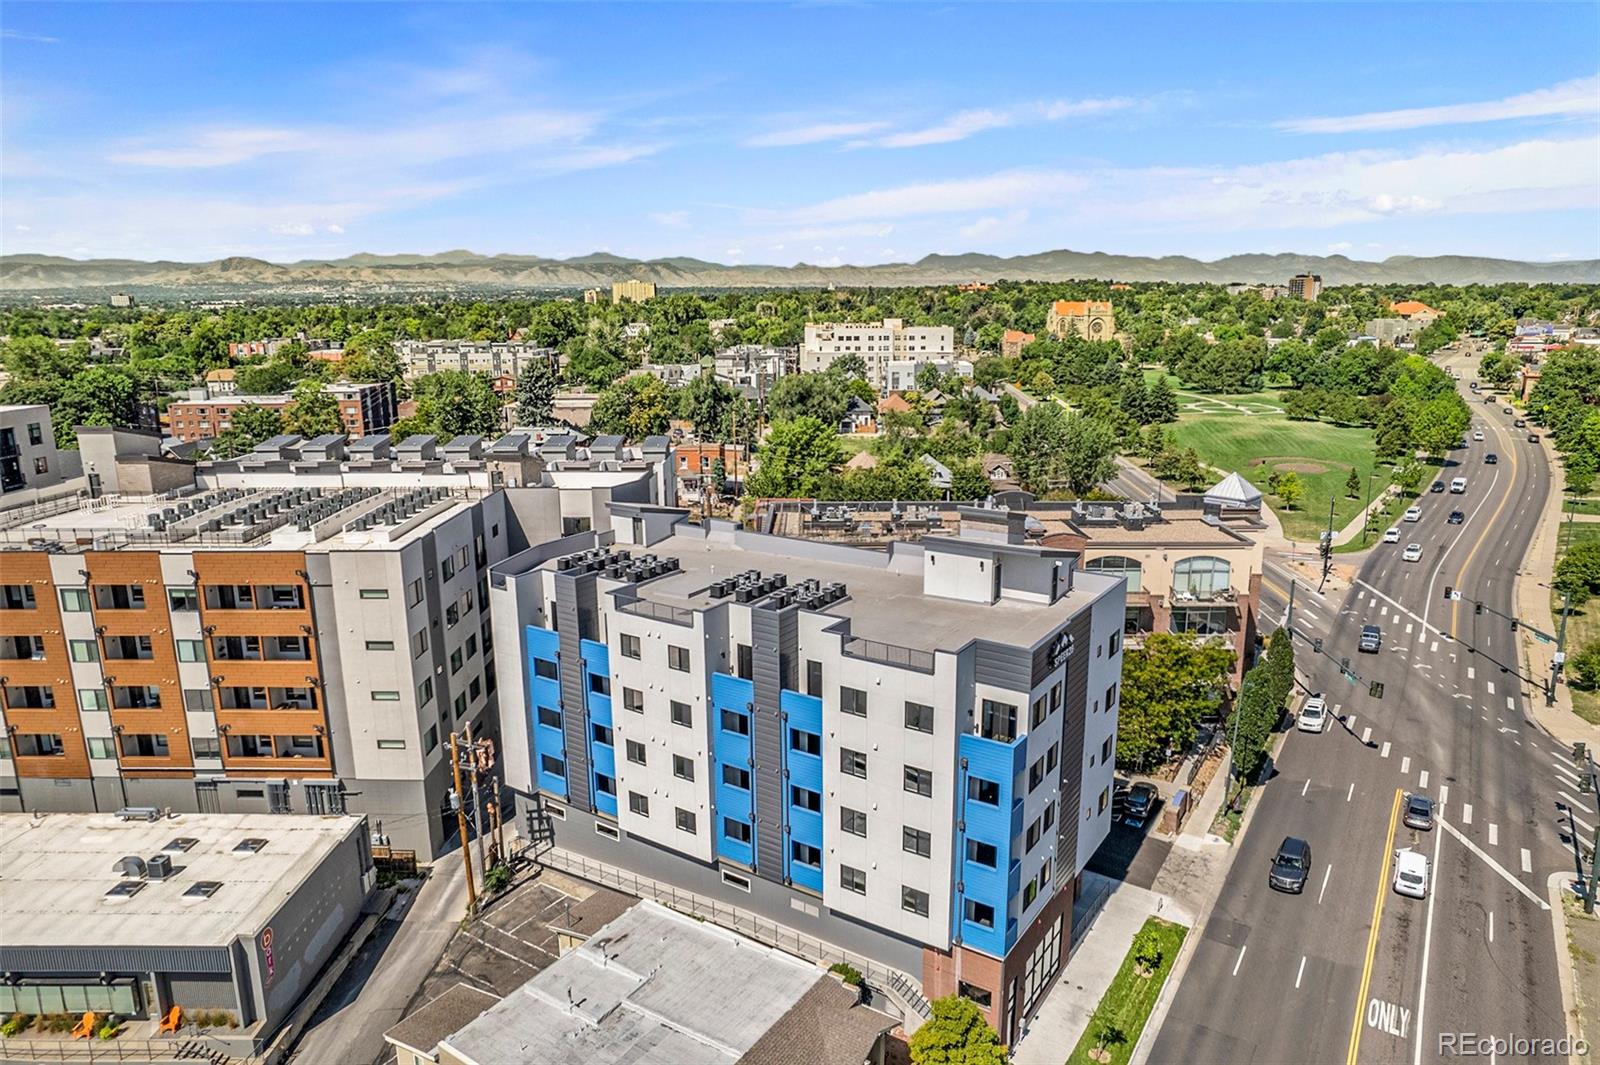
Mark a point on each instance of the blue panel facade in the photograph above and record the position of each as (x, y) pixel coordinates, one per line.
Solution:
(731, 700)
(544, 688)
(802, 713)
(597, 697)
(991, 770)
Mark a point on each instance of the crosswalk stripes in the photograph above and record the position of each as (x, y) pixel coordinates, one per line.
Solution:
(1422, 781)
(1527, 861)
(1466, 813)
(1494, 834)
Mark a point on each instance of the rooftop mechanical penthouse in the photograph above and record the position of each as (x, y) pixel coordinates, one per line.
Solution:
(902, 756)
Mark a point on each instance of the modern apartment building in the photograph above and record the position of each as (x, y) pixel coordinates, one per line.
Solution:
(878, 344)
(499, 359)
(364, 409)
(29, 459)
(1305, 286)
(632, 291)
(907, 754)
(297, 630)
(1090, 319)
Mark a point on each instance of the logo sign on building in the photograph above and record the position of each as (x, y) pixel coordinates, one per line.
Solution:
(266, 950)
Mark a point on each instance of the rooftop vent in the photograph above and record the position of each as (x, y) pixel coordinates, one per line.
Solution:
(159, 867)
(181, 844)
(249, 845)
(132, 865)
(202, 889)
(126, 889)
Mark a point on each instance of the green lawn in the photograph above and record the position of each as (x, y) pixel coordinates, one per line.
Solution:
(1582, 506)
(1129, 999)
(1321, 454)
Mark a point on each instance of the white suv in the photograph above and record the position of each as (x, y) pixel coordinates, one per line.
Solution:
(1392, 535)
(1313, 715)
(1411, 873)
(1413, 514)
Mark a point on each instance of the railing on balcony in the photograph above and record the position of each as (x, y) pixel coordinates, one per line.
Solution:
(658, 611)
(1202, 595)
(889, 654)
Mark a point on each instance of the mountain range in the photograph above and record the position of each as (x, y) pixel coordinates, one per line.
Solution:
(453, 270)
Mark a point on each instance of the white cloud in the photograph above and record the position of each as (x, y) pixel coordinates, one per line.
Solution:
(671, 219)
(989, 192)
(294, 229)
(34, 38)
(991, 226)
(1580, 96)
(334, 227)
(964, 124)
(1340, 247)
(814, 134)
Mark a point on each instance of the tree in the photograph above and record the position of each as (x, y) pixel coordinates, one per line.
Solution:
(37, 358)
(1254, 716)
(968, 482)
(536, 393)
(1147, 951)
(1106, 1028)
(710, 403)
(1290, 489)
(597, 356)
(1585, 666)
(1580, 473)
(1578, 571)
(451, 403)
(796, 458)
(849, 367)
(1437, 425)
(1280, 665)
(635, 407)
(1161, 402)
(957, 1034)
(1352, 484)
(252, 423)
(1166, 686)
(266, 378)
(312, 412)
(97, 395)
(1089, 446)
(1042, 383)
(808, 395)
(370, 356)
(719, 476)
(928, 377)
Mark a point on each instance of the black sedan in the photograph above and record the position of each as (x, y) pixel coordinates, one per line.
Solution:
(1436, 486)
(1140, 803)
(1456, 517)
(1491, 458)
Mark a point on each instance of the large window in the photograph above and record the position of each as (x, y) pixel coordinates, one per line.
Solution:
(1203, 621)
(1119, 566)
(1203, 577)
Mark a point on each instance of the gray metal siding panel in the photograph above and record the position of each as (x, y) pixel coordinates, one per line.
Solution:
(1003, 666)
(40, 960)
(570, 593)
(1072, 727)
(766, 741)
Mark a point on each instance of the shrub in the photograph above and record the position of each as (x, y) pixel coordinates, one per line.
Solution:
(108, 1031)
(847, 972)
(497, 879)
(15, 1023)
(1585, 666)
(1147, 951)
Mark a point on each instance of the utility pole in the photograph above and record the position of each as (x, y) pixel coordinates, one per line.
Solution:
(1366, 513)
(1288, 615)
(1559, 659)
(461, 824)
(477, 804)
(1327, 547)
(1586, 785)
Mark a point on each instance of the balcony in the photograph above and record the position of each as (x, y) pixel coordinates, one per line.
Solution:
(260, 649)
(889, 654)
(255, 597)
(127, 648)
(22, 648)
(17, 597)
(136, 697)
(119, 597)
(1179, 596)
(256, 698)
(274, 746)
(29, 697)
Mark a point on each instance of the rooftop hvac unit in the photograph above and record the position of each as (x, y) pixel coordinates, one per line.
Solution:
(132, 865)
(743, 594)
(719, 589)
(563, 564)
(673, 565)
(159, 867)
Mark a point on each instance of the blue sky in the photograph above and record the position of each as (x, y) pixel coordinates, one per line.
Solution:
(822, 133)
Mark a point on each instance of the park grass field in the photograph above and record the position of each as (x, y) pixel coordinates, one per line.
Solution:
(1256, 445)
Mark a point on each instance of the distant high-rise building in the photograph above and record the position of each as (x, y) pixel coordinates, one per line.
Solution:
(1305, 286)
(878, 344)
(632, 291)
(122, 299)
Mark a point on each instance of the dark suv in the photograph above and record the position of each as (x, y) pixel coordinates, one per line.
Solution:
(1291, 867)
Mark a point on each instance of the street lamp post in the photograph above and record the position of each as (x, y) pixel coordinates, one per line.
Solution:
(1366, 512)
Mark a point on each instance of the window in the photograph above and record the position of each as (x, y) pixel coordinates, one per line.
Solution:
(41, 465)
(914, 901)
(413, 593)
(852, 821)
(853, 701)
(805, 742)
(853, 879)
(385, 697)
(1114, 644)
(682, 714)
(391, 745)
(447, 566)
(744, 661)
(1052, 757)
(852, 763)
(999, 721)
(980, 853)
(805, 799)
(549, 717)
(678, 658)
(1035, 832)
(984, 791)
(639, 804)
(602, 734)
(805, 854)
(183, 599)
(1106, 749)
(543, 667)
(35, 433)
(735, 777)
(374, 593)
(813, 677)
(101, 747)
(915, 841)
(457, 660)
(474, 687)
(919, 717)
(191, 650)
(633, 699)
(380, 645)
(735, 722)
(918, 781)
(419, 643)
(1203, 577)
(682, 768)
(599, 684)
(630, 646)
(76, 600)
(635, 751)
(982, 915)
(430, 739)
(459, 703)
(972, 992)
(92, 699)
(1105, 797)
(1035, 775)
(424, 690)
(1118, 566)
(684, 820)
(1030, 891)
(1050, 814)
(1111, 696)
(206, 746)
(605, 785)
(738, 831)
(83, 650)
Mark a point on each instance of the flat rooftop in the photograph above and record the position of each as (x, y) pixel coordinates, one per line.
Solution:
(885, 600)
(55, 872)
(649, 988)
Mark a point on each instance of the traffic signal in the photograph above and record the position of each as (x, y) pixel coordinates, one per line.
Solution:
(1316, 645)
(1513, 624)
(1585, 782)
(1447, 590)
(1580, 751)
(1477, 608)
(1375, 689)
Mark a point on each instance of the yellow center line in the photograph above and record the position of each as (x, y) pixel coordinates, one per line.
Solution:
(1455, 606)
(1372, 937)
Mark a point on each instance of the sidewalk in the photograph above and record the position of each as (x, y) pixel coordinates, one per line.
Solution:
(1064, 1016)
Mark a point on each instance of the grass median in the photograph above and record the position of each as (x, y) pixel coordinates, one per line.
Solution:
(1119, 1020)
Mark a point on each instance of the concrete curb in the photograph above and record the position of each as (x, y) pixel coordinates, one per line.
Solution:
(1555, 889)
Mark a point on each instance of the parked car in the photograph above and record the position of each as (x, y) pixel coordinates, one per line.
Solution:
(1314, 714)
(1413, 514)
(1371, 639)
(1392, 535)
(1491, 458)
(1419, 812)
(1413, 553)
(1291, 866)
(1456, 517)
(1436, 486)
(1411, 873)
(1141, 802)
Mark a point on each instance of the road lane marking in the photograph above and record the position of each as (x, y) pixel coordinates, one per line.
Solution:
(1491, 926)
(1435, 648)
(1579, 803)
(1527, 861)
(1471, 673)
(1494, 834)
(1581, 823)
(1384, 750)
(1409, 627)
(1444, 793)
(1466, 813)
(1405, 765)
(1301, 973)
(1366, 737)
(1511, 704)
(1496, 866)
(1240, 961)
(1305, 787)
(1422, 780)
(1455, 607)
(1490, 685)
(1561, 767)
(1326, 872)
(1427, 947)
(1351, 792)
(1372, 936)
(1376, 595)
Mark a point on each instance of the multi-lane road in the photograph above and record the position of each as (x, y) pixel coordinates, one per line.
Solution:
(1351, 971)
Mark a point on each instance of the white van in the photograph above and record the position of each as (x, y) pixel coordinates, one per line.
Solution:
(1458, 485)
